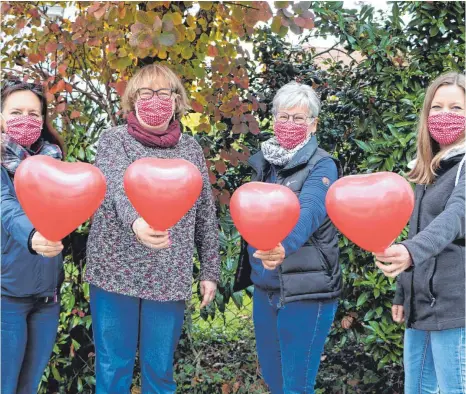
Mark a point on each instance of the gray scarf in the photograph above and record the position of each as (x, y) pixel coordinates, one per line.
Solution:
(275, 154)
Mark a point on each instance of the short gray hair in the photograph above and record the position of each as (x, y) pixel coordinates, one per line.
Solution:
(295, 94)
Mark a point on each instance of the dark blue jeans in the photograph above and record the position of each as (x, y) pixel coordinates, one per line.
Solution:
(118, 322)
(290, 340)
(29, 328)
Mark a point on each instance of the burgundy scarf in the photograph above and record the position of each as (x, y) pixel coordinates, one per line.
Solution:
(154, 139)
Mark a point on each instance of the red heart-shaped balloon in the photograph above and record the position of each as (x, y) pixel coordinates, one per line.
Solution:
(264, 213)
(162, 190)
(371, 210)
(58, 197)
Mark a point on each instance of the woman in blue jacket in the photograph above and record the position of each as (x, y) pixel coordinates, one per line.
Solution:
(32, 267)
(297, 284)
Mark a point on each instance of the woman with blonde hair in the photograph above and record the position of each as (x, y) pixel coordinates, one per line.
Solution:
(430, 265)
(141, 278)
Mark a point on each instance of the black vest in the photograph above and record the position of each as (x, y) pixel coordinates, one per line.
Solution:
(313, 272)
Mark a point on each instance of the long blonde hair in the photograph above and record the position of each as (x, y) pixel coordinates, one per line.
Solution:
(429, 154)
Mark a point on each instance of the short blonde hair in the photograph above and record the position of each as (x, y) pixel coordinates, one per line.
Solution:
(148, 74)
(429, 155)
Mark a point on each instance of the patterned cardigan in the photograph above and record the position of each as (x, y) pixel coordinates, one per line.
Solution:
(116, 261)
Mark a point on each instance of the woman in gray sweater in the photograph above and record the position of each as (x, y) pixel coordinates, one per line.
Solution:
(141, 278)
(430, 265)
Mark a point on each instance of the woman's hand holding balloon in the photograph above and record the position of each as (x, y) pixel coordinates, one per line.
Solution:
(45, 247)
(149, 237)
(271, 259)
(397, 258)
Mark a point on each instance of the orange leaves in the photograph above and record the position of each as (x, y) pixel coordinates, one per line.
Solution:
(62, 69)
(36, 58)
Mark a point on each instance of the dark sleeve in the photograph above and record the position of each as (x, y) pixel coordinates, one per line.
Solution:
(14, 220)
(399, 293)
(206, 227)
(113, 161)
(312, 201)
(443, 230)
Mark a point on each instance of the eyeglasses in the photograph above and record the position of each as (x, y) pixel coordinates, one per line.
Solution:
(296, 118)
(148, 93)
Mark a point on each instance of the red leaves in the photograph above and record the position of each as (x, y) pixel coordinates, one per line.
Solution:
(75, 114)
(224, 197)
(61, 107)
(98, 10)
(62, 69)
(220, 167)
(120, 87)
(5, 7)
(212, 51)
(196, 106)
(58, 87)
(304, 23)
(35, 58)
(49, 96)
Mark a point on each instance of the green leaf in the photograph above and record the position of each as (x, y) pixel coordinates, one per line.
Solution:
(365, 147)
(282, 4)
(75, 344)
(276, 24)
(56, 374)
(237, 299)
(123, 62)
(433, 31)
(81, 154)
(362, 299)
(283, 31)
(143, 17)
(167, 38)
(187, 53)
(396, 14)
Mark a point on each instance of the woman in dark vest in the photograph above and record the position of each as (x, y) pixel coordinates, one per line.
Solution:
(430, 265)
(297, 283)
(32, 266)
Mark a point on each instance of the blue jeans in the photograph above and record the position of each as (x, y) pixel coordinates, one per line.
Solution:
(29, 328)
(118, 322)
(290, 340)
(435, 360)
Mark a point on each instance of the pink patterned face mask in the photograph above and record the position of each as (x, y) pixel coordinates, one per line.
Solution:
(154, 111)
(446, 127)
(24, 129)
(290, 134)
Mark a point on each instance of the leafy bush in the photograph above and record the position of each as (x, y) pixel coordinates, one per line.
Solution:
(368, 121)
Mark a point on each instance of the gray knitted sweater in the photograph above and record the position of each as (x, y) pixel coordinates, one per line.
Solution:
(116, 261)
